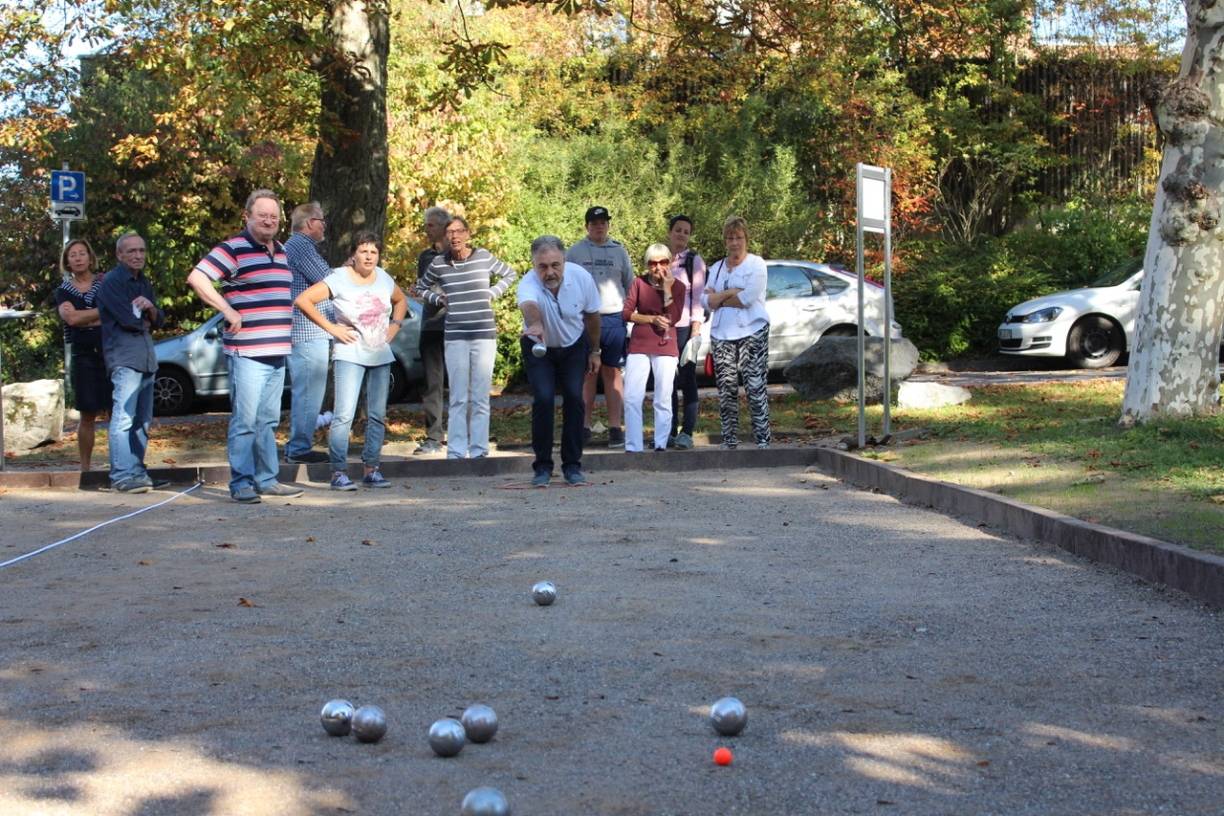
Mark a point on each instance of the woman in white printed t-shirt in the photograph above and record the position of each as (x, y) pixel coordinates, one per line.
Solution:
(370, 310)
(739, 332)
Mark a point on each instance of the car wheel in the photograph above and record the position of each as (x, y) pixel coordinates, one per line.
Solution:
(398, 387)
(173, 392)
(1094, 342)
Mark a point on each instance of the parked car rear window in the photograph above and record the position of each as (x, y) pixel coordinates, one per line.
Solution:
(1118, 275)
(829, 284)
(788, 282)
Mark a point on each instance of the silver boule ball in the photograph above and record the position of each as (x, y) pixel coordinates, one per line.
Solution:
(728, 716)
(337, 717)
(446, 737)
(544, 593)
(539, 349)
(369, 723)
(485, 802)
(479, 722)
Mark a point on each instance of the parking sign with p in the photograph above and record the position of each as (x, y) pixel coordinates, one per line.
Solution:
(67, 195)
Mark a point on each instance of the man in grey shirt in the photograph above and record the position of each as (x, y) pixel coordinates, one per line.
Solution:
(432, 335)
(608, 264)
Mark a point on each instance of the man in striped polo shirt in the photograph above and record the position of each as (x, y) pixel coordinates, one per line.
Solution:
(470, 279)
(255, 278)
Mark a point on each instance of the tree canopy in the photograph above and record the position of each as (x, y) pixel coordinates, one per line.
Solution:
(521, 113)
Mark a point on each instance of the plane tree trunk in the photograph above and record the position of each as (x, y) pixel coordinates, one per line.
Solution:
(1174, 369)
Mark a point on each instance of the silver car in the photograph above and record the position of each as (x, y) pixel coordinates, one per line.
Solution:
(193, 365)
(807, 301)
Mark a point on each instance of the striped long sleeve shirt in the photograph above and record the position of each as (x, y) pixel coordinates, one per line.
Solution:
(255, 280)
(469, 286)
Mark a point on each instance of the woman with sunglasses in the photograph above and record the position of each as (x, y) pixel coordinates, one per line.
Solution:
(653, 305)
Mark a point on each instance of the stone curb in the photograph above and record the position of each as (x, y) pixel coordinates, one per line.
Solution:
(1198, 574)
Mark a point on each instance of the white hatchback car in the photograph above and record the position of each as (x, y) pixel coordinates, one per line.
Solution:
(807, 301)
(1091, 327)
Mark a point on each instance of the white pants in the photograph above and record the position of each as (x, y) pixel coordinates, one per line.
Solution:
(637, 368)
(469, 366)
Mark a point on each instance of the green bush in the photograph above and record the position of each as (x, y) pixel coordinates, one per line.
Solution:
(32, 348)
(950, 298)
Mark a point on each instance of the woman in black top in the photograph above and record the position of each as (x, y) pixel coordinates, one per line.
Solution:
(74, 299)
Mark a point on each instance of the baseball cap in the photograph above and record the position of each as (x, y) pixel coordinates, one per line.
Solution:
(596, 213)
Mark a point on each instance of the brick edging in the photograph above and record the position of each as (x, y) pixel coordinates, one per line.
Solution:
(1198, 574)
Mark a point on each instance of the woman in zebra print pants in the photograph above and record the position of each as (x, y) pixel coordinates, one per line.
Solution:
(739, 331)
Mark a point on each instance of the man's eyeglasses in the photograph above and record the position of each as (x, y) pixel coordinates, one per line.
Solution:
(663, 263)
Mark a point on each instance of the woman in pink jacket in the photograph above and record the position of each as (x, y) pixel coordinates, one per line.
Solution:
(653, 304)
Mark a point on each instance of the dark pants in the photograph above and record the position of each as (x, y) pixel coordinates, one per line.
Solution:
(686, 384)
(560, 369)
(434, 361)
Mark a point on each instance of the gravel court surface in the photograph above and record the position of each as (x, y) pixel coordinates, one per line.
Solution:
(893, 660)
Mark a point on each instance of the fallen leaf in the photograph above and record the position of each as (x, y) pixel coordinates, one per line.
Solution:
(983, 763)
(1218, 498)
(144, 563)
(369, 542)
(309, 539)
(169, 461)
(225, 545)
(246, 603)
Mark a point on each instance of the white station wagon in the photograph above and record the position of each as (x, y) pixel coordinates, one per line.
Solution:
(807, 301)
(1091, 327)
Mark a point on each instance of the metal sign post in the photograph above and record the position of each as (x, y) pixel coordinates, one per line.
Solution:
(873, 198)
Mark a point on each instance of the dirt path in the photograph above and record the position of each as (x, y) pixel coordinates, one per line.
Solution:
(892, 660)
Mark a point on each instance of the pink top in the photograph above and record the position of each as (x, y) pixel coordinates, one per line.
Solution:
(692, 299)
(647, 300)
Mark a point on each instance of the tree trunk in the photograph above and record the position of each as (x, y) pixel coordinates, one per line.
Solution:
(1174, 369)
(350, 174)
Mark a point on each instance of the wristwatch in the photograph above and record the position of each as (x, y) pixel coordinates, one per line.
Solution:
(399, 322)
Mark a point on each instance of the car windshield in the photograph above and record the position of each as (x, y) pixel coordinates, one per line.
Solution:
(1118, 276)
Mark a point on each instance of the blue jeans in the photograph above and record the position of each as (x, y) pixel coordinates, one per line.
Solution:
(560, 370)
(307, 382)
(348, 389)
(131, 413)
(256, 384)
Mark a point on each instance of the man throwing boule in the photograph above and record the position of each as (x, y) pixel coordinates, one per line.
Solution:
(560, 307)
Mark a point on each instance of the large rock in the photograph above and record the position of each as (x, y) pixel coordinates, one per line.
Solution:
(828, 369)
(931, 395)
(33, 414)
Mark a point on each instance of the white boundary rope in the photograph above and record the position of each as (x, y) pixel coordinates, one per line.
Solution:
(12, 561)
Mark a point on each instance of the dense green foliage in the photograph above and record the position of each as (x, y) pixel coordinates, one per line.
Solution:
(686, 107)
(950, 297)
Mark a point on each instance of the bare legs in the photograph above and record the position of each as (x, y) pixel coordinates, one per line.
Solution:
(85, 438)
(614, 395)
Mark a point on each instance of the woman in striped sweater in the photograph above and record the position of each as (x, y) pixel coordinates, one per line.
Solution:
(469, 279)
